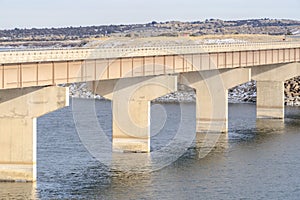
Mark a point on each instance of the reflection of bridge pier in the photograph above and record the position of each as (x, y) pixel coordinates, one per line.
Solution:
(18, 191)
(132, 77)
(269, 124)
(210, 142)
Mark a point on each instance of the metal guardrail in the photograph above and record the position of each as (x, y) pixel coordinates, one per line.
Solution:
(67, 54)
(213, 45)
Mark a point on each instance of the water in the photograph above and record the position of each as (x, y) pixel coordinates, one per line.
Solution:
(258, 160)
(4, 49)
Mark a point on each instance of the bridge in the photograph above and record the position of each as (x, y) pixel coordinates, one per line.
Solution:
(30, 86)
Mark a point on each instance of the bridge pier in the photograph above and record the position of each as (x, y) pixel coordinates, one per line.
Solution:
(270, 99)
(19, 110)
(212, 96)
(131, 108)
(270, 88)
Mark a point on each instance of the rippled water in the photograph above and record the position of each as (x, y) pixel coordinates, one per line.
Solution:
(258, 160)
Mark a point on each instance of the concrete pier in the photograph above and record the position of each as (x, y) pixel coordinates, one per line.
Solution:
(131, 108)
(212, 96)
(270, 99)
(19, 110)
(270, 88)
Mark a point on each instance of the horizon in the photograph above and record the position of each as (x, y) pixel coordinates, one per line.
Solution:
(91, 25)
(66, 13)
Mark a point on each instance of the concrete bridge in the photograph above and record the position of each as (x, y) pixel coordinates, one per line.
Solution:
(131, 78)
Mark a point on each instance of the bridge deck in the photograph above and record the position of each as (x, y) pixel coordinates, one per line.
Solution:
(49, 67)
(46, 55)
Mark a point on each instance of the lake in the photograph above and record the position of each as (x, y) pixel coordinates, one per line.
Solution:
(256, 160)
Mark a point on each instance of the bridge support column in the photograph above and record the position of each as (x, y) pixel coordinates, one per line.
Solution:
(131, 108)
(270, 99)
(270, 88)
(19, 109)
(212, 96)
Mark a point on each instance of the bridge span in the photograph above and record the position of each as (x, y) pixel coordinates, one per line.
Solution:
(131, 78)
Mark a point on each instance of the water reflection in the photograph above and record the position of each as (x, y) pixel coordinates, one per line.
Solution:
(131, 162)
(210, 142)
(138, 186)
(18, 191)
(270, 125)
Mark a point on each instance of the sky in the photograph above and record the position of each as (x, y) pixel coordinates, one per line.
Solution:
(65, 13)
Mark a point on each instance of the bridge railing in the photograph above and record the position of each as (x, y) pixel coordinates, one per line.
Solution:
(64, 54)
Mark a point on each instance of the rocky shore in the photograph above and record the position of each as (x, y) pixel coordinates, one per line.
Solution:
(292, 92)
(245, 93)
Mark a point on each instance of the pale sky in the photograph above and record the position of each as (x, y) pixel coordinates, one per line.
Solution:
(64, 13)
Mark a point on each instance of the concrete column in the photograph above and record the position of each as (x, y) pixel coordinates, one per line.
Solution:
(270, 99)
(19, 110)
(270, 88)
(212, 96)
(131, 108)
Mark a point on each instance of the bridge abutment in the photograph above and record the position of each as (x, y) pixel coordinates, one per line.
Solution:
(131, 100)
(212, 96)
(19, 110)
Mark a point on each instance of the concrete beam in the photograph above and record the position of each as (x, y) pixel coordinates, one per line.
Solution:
(131, 108)
(32, 103)
(19, 110)
(212, 95)
(279, 72)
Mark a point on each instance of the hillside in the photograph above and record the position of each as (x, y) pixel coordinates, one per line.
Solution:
(170, 28)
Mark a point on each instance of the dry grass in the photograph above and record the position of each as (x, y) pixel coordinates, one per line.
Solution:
(245, 37)
(157, 41)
